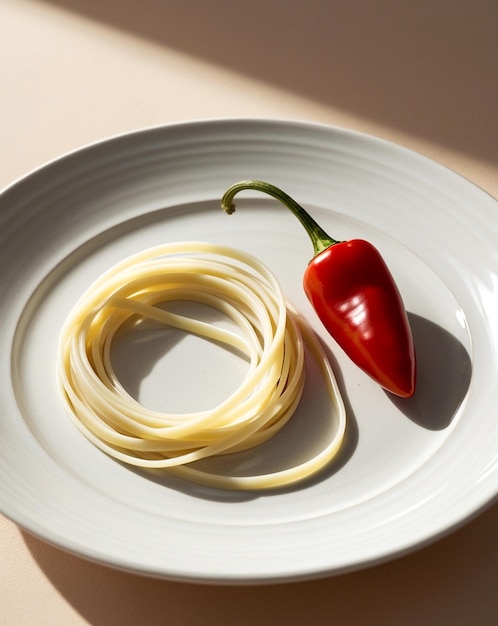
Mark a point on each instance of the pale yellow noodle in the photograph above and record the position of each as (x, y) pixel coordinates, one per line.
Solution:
(272, 337)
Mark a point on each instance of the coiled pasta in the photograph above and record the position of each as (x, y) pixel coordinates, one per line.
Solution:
(271, 336)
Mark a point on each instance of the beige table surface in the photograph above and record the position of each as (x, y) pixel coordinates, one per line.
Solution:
(420, 73)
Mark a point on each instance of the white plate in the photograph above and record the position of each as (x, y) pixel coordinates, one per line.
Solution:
(410, 470)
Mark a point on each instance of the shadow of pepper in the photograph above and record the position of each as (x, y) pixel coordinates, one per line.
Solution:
(444, 371)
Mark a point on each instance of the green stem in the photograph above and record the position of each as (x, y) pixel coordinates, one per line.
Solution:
(319, 238)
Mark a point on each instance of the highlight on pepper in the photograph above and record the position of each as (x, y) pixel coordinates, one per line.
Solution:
(355, 296)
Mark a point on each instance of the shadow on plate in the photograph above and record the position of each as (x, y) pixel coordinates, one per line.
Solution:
(444, 371)
(301, 438)
(444, 374)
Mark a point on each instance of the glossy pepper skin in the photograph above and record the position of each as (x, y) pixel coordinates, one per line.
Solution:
(356, 298)
(358, 302)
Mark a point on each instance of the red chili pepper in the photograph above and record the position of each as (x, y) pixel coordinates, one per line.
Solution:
(355, 296)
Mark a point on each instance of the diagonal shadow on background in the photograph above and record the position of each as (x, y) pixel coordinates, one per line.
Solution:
(426, 68)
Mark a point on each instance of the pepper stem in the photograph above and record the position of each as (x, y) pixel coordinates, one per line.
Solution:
(319, 238)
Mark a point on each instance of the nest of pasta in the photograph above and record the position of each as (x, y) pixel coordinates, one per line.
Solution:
(269, 333)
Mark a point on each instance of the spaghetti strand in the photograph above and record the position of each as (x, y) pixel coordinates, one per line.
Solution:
(270, 335)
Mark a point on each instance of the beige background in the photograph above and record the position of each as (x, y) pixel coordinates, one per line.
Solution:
(420, 73)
